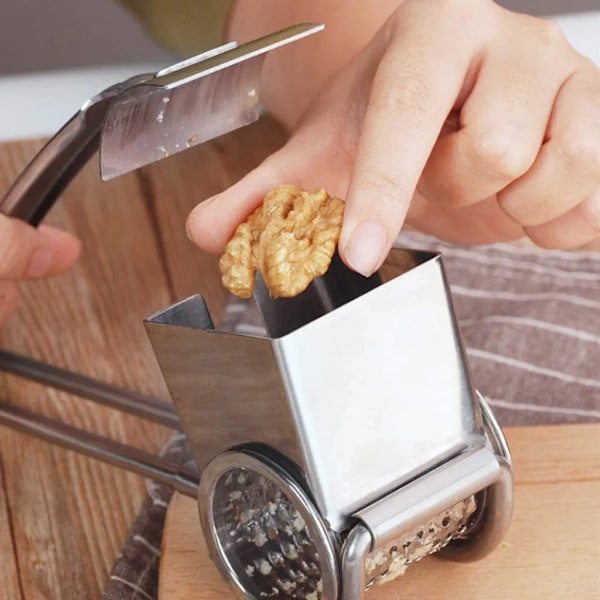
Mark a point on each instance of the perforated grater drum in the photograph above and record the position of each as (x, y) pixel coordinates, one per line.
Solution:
(346, 444)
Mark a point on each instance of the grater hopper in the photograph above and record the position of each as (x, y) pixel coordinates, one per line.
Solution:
(332, 452)
(346, 444)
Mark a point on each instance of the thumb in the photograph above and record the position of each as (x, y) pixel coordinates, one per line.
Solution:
(211, 224)
(302, 161)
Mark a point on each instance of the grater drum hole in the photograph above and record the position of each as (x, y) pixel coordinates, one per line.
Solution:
(264, 538)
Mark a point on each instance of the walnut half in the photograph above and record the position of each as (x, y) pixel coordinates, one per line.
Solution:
(290, 239)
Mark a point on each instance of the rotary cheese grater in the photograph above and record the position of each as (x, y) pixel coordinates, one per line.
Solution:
(337, 450)
(346, 444)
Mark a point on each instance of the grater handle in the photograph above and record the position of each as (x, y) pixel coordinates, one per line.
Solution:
(36, 189)
(108, 451)
(100, 392)
(85, 442)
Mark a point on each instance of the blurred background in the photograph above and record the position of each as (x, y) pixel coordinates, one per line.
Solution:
(63, 34)
(63, 51)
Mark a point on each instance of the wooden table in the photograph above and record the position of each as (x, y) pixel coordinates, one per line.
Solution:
(550, 551)
(64, 517)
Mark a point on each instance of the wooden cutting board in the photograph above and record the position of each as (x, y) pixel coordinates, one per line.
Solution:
(552, 550)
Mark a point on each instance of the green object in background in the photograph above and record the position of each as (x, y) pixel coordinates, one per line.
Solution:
(186, 27)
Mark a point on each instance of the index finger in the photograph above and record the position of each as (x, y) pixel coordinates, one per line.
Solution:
(415, 87)
(26, 252)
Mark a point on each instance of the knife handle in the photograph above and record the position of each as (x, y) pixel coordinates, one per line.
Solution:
(39, 185)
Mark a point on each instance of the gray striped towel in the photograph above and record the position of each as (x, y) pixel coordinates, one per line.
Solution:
(530, 321)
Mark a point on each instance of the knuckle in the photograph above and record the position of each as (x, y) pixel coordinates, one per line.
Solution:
(387, 183)
(512, 209)
(457, 7)
(501, 155)
(453, 194)
(550, 34)
(581, 153)
(544, 237)
(527, 208)
(410, 98)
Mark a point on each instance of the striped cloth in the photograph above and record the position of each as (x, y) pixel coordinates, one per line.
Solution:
(530, 321)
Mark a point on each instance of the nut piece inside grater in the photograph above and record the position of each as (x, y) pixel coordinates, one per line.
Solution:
(269, 538)
(391, 561)
(265, 538)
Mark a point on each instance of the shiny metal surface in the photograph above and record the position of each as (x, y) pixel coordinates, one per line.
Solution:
(100, 392)
(353, 575)
(227, 389)
(484, 473)
(337, 287)
(148, 117)
(430, 494)
(389, 358)
(45, 177)
(494, 520)
(188, 103)
(231, 54)
(109, 451)
(148, 123)
(239, 570)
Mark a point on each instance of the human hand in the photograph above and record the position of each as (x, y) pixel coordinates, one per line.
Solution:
(28, 253)
(458, 118)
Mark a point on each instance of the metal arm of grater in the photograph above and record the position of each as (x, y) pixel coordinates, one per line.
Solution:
(134, 123)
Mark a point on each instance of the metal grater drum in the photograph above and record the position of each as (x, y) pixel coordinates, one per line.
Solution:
(263, 536)
(265, 529)
(391, 561)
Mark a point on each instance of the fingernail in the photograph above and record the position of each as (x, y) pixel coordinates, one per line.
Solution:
(188, 230)
(40, 263)
(189, 224)
(364, 250)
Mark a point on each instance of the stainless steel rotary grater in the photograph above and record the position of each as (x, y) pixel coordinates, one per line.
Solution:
(344, 445)
(331, 453)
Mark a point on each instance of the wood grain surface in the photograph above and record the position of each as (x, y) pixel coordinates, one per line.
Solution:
(551, 550)
(64, 517)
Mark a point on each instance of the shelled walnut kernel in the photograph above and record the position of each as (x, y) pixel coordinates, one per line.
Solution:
(290, 239)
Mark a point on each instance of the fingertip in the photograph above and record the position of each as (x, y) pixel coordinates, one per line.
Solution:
(209, 225)
(364, 247)
(61, 250)
(190, 224)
